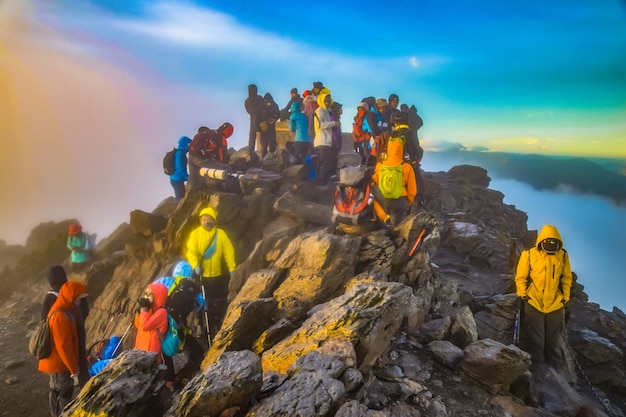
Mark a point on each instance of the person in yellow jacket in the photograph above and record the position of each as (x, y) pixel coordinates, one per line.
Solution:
(543, 281)
(390, 209)
(207, 246)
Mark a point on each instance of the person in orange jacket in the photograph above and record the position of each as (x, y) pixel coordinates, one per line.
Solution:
(63, 363)
(151, 319)
(394, 210)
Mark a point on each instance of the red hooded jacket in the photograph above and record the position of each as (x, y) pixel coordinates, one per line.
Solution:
(147, 322)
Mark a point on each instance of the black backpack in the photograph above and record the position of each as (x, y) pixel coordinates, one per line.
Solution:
(168, 162)
(182, 300)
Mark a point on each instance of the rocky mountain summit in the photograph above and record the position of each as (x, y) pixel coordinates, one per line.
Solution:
(327, 323)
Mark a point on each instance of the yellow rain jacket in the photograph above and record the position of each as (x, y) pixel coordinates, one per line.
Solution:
(221, 247)
(545, 279)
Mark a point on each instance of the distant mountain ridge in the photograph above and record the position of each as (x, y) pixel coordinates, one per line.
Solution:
(548, 172)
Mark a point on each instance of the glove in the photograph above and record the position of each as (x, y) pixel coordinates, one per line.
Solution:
(198, 270)
(231, 274)
(144, 302)
(75, 379)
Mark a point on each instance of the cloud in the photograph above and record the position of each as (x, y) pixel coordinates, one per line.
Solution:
(414, 62)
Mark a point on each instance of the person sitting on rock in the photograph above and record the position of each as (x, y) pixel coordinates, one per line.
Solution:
(543, 280)
(394, 187)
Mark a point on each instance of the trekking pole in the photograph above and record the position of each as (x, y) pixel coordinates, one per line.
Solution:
(206, 314)
(516, 328)
(417, 242)
(121, 340)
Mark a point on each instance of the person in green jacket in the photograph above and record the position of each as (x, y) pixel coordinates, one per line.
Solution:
(543, 281)
(207, 247)
(80, 246)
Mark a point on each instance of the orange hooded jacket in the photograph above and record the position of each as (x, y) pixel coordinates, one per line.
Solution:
(395, 156)
(64, 356)
(147, 322)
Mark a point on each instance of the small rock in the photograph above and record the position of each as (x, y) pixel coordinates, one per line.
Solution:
(14, 364)
(10, 380)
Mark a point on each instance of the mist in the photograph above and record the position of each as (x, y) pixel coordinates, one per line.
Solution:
(592, 229)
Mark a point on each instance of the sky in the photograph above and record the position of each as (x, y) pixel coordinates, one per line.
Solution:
(95, 92)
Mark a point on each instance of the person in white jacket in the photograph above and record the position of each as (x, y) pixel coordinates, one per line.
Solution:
(324, 137)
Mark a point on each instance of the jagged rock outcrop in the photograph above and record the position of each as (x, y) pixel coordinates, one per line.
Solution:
(352, 325)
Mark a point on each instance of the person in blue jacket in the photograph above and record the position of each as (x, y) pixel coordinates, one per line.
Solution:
(180, 175)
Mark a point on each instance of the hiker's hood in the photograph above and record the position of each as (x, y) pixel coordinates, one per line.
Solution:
(548, 231)
(208, 211)
(183, 143)
(69, 293)
(296, 107)
(395, 153)
(322, 96)
(252, 90)
(56, 277)
(160, 294)
(183, 269)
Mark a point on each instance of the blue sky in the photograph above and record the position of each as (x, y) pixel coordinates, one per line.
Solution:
(542, 77)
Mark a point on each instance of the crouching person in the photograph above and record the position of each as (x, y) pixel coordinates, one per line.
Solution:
(63, 363)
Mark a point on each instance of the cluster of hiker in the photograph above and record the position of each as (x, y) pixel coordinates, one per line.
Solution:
(184, 311)
(173, 314)
(384, 188)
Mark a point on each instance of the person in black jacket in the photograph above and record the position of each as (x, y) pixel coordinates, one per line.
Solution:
(269, 115)
(253, 104)
(57, 277)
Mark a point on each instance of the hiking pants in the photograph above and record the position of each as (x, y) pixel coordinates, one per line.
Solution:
(179, 189)
(326, 159)
(61, 390)
(216, 290)
(543, 335)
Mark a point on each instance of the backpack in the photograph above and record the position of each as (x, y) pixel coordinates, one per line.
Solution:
(352, 196)
(360, 135)
(170, 342)
(40, 343)
(182, 300)
(390, 181)
(311, 128)
(168, 162)
(206, 144)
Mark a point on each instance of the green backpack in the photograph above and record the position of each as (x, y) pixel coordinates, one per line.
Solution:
(390, 181)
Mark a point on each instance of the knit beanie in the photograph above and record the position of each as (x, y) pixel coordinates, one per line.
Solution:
(56, 277)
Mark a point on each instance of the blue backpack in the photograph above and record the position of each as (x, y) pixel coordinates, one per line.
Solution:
(170, 342)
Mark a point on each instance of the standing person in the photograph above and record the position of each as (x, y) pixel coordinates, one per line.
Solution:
(267, 124)
(80, 246)
(361, 132)
(57, 277)
(63, 363)
(180, 175)
(285, 112)
(543, 281)
(207, 247)
(151, 319)
(299, 124)
(253, 104)
(323, 142)
(335, 113)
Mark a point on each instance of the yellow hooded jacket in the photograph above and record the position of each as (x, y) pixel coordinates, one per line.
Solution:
(200, 239)
(545, 279)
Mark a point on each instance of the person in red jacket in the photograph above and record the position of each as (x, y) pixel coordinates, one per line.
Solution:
(63, 363)
(151, 319)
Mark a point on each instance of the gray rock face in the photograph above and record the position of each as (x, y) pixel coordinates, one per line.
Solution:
(322, 323)
(126, 387)
(231, 381)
